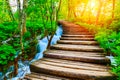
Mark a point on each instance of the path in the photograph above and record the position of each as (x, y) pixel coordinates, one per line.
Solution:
(76, 56)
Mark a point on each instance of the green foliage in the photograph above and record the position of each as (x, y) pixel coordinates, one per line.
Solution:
(108, 40)
(7, 54)
(41, 20)
(34, 28)
(8, 50)
(42, 15)
(7, 29)
(63, 13)
(27, 35)
(102, 38)
(4, 12)
(115, 25)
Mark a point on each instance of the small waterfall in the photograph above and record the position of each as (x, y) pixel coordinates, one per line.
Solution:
(42, 45)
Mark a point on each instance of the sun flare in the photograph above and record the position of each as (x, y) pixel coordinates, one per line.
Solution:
(92, 3)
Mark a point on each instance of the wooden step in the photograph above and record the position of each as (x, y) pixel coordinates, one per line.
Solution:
(77, 53)
(86, 48)
(78, 33)
(71, 38)
(72, 71)
(74, 29)
(42, 76)
(76, 63)
(77, 42)
(89, 57)
(78, 36)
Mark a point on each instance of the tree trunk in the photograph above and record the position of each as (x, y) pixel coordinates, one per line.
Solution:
(19, 26)
(10, 10)
(49, 42)
(24, 16)
(22, 27)
(99, 11)
(113, 9)
(89, 16)
(54, 14)
(69, 10)
(58, 10)
(15, 66)
(85, 6)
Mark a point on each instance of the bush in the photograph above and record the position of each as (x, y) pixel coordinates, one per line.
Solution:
(7, 30)
(115, 25)
(7, 54)
(110, 41)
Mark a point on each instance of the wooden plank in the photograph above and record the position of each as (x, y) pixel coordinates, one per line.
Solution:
(75, 63)
(87, 48)
(77, 42)
(42, 76)
(74, 66)
(78, 36)
(72, 73)
(71, 38)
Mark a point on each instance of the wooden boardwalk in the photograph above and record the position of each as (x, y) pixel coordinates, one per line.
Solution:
(76, 56)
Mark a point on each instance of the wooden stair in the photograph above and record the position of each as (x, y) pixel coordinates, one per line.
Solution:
(42, 76)
(77, 42)
(79, 36)
(76, 56)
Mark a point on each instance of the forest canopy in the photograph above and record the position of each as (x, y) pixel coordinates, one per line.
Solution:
(91, 11)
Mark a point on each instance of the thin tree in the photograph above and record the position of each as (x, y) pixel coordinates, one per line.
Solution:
(19, 26)
(99, 11)
(10, 10)
(54, 16)
(22, 27)
(113, 9)
(85, 6)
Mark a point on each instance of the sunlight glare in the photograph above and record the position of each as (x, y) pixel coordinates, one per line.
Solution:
(92, 3)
